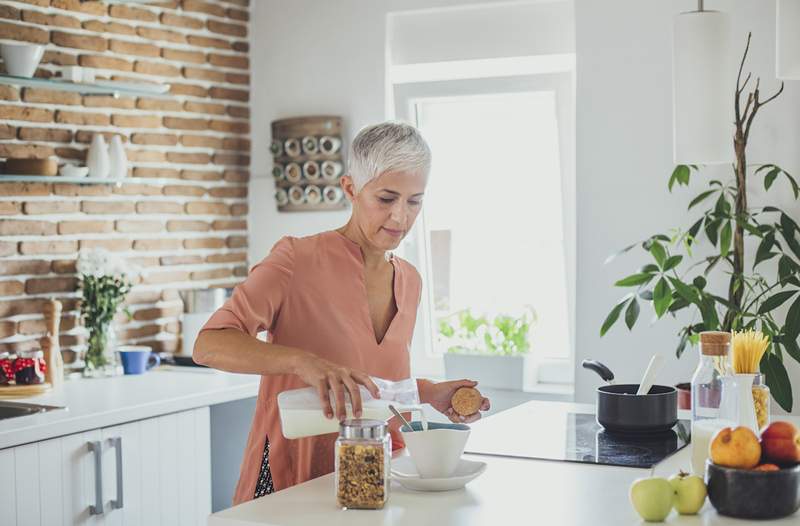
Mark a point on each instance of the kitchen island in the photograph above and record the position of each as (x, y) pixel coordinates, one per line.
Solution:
(511, 491)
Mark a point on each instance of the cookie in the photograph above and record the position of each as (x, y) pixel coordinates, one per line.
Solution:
(466, 401)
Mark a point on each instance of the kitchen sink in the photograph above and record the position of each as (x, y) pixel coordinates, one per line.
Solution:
(15, 409)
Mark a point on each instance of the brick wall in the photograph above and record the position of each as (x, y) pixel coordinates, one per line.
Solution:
(189, 232)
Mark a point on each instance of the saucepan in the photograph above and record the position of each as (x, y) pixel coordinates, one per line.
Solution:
(621, 410)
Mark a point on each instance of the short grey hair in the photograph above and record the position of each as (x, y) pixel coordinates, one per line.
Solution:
(386, 147)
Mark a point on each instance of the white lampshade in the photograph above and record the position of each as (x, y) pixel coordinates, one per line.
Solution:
(704, 83)
(787, 39)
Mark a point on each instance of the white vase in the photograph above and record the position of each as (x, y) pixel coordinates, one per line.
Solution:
(737, 400)
(118, 159)
(97, 160)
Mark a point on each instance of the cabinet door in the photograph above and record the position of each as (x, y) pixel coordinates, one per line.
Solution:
(122, 474)
(79, 478)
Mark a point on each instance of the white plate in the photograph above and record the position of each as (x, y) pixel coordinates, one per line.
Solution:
(405, 472)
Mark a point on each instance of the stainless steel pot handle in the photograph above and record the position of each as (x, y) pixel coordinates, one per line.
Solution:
(97, 448)
(116, 443)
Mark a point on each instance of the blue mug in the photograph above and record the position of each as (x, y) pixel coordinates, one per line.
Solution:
(137, 359)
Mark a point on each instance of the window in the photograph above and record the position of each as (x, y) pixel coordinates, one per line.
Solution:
(497, 230)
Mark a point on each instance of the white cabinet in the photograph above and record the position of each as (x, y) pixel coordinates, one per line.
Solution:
(149, 472)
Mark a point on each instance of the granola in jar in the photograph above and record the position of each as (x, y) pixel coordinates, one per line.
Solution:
(363, 453)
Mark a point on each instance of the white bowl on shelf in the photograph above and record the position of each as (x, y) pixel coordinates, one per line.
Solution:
(21, 59)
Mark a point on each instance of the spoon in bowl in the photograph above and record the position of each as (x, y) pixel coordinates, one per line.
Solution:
(401, 417)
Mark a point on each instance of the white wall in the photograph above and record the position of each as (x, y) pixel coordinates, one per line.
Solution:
(624, 137)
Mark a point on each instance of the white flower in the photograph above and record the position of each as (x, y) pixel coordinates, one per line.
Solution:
(100, 262)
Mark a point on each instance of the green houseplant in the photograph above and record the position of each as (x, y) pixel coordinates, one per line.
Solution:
(673, 284)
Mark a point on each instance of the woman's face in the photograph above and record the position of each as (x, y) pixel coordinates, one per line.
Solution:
(385, 209)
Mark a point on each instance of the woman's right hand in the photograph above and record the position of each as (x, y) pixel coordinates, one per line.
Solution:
(325, 376)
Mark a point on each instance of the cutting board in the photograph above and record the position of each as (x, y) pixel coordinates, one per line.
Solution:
(21, 391)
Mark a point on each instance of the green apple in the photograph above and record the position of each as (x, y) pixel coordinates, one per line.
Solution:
(652, 498)
(690, 493)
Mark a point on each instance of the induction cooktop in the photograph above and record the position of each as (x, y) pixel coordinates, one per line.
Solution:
(552, 434)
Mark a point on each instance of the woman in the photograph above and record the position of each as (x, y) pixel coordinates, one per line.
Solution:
(338, 308)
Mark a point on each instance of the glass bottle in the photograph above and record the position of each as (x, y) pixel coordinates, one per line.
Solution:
(714, 364)
(363, 456)
(761, 400)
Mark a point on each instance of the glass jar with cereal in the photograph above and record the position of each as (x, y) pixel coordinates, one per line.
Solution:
(363, 456)
(761, 400)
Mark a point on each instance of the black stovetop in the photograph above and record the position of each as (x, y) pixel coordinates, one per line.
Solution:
(573, 437)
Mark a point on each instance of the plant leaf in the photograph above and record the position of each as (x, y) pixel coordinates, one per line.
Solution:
(632, 313)
(725, 239)
(699, 199)
(764, 250)
(658, 252)
(792, 324)
(770, 177)
(792, 349)
(662, 297)
(777, 380)
(699, 282)
(775, 301)
(682, 344)
(646, 295)
(610, 258)
(672, 262)
(712, 227)
(634, 280)
(685, 291)
(695, 228)
(679, 175)
(613, 315)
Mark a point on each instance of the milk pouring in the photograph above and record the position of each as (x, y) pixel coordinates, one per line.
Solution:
(301, 410)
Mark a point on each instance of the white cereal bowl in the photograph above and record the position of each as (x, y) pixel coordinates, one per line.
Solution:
(436, 452)
(21, 59)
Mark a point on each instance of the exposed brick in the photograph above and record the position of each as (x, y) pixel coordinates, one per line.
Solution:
(204, 74)
(236, 143)
(240, 3)
(82, 118)
(162, 345)
(181, 189)
(203, 7)
(158, 104)
(241, 46)
(9, 12)
(73, 40)
(161, 34)
(236, 241)
(231, 257)
(225, 28)
(81, 190)
(8, 328)
(205, 242)
(238, 111)
(165, 277)
(10, 208)
(11, 288)
(236, 176)
(45, 134)
(71, 153)
(159, 207)
(42, 19)
(231, 159)
(188, 226)
(145, 156)
(239, 209)
(29, 151)
(59, 206)
(102, 101)
(108, 207)
(237, 78)
(137, 189)
(47, 247)
(109, 27)
(7, 132)
(138, 332)
(133, 48)
(188, 158)
(20, 113)
(114, 245)
(217, 273)
(50, 96)
(204, 107)
(142, 296)
(188, 89)
(39, 326)
(8, 92)
(8, 248)
(179, 123)
(84, 227)
(45, 285)
(85, 136)
(229, 94)
(229, 61)
(156, 68)
(136, 121)
(237, 14)
(180, 55)
(201, 175)
(181, 260)
(208, 42)
(160, 173)
(171, 19)
(132, 13)
(163, 139)
(230, 126)
(228, 191)
(157, 244)
(201, 141)
(64, 266)
(11, 31)
(24, 189)
(105, 62)
(59, 58)
(18, 227)
(207, 207)
(240, 271)
(90, 8)
(136, 227)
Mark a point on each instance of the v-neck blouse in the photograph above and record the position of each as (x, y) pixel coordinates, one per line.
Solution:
(310, 293)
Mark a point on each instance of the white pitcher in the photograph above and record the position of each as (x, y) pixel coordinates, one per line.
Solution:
(118, 159)
(737, 401)
(97, 159)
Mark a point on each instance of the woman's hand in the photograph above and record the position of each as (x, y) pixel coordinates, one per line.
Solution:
(326, 376)
(440, 394)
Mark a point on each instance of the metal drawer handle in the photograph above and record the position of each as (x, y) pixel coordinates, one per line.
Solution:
(116, 442)
(97, 448)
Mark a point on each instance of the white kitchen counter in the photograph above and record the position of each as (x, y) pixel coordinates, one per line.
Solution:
(511, 491)
(96, 403)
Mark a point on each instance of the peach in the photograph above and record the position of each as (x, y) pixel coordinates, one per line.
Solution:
(781, 443)
(766, 467)
(736, 448)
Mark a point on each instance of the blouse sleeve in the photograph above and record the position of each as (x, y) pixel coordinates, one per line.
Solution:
(256, 302)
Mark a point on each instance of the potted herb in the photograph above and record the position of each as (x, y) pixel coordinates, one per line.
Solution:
(753, 294)
(494, 351)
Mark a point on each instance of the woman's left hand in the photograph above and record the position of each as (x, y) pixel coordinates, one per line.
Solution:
(440, 394)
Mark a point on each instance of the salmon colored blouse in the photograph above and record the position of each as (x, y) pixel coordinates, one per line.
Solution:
(310, 293)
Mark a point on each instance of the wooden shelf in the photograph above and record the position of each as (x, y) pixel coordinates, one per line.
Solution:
(11, 178)
(126, 89)
(322, 207)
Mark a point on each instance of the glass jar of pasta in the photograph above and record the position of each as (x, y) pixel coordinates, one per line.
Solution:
(363, 456)
(761, 400)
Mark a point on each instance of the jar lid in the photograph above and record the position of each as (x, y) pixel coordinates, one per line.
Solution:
(362, 428)
(4, 355)
(715, 343)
